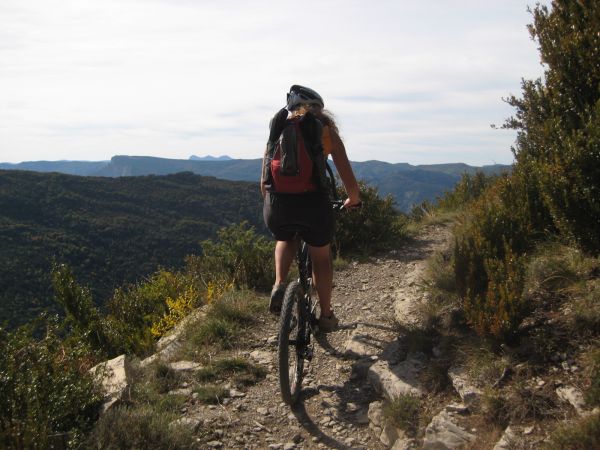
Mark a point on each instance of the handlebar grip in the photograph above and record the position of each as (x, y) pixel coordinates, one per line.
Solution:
(338, 205)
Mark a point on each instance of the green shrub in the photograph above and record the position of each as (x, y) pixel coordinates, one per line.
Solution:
(134, 309)
(376, 226)
(82, 317)
(47, 397)
(558, 119)
(488, 266)
(143, 427)
(240, 255)
(470, 187)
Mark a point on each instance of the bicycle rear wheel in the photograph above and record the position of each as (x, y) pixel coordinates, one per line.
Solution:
(292, 343)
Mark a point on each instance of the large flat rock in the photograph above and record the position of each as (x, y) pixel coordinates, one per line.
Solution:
(468, 391)
(395, 380)
(443, 434)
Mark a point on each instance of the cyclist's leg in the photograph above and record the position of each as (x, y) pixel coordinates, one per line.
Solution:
(322, 276)
(284, 255)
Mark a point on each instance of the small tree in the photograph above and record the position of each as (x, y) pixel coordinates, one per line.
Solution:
(558, 118)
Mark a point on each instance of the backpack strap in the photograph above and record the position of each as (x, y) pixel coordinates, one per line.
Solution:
(312, 131)
(276, 126)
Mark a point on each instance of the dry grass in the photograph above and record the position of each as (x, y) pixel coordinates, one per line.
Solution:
(142, 427)
(582, 434)
(482, 364)
(403, 412)
(238, 369)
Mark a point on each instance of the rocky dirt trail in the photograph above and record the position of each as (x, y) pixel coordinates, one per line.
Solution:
(351, 370)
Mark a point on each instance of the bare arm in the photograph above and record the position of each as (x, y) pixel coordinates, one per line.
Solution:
(342, 164)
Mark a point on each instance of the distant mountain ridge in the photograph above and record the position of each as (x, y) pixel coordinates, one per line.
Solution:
(408, 184)
(210, 158)
(83, 168)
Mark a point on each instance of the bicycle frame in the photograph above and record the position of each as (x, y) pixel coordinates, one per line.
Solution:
(307, 306)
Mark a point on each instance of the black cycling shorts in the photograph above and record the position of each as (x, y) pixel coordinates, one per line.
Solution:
(308, 215)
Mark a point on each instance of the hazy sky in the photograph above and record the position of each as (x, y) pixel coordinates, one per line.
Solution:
(416, 82)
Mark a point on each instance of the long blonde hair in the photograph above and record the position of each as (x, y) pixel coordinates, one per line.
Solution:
(325, 116)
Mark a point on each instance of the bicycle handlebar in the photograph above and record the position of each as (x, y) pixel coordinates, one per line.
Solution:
(338, 205)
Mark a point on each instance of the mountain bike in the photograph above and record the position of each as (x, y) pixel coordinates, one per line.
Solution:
(297, 323)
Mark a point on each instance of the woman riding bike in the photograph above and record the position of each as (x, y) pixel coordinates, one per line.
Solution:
(307, 211)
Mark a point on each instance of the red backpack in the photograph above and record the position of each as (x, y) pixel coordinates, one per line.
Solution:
(295, 154)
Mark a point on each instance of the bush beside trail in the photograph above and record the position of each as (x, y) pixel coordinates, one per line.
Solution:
(553, 192)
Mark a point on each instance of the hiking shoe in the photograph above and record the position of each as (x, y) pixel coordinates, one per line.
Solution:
(327, 324)
(277, 294)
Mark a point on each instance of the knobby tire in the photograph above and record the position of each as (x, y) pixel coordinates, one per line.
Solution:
(291, 370)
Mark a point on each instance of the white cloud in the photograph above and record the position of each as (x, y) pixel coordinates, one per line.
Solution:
(408, 82)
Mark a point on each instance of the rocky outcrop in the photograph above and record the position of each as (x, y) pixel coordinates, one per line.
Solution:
(469, 393)
(573, 396)
(185, 366)
(508, 440)
(112, 377)
(168, 345)
(395, 380)
(443, 433)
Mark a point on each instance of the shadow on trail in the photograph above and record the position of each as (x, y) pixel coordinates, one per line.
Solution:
(344, 395)
(350, 400)
(313, 429)
(365, 339)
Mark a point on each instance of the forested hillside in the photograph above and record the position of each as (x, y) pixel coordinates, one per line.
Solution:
(409, 185)
(110, 230)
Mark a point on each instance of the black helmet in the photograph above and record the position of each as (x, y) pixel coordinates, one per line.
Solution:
(302, 95)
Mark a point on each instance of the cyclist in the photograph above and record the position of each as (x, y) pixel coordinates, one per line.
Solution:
(309, 213)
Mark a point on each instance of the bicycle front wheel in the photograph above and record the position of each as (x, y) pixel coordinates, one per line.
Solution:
(292, 343)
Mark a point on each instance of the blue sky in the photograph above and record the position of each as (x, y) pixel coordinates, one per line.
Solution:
(408, 82)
